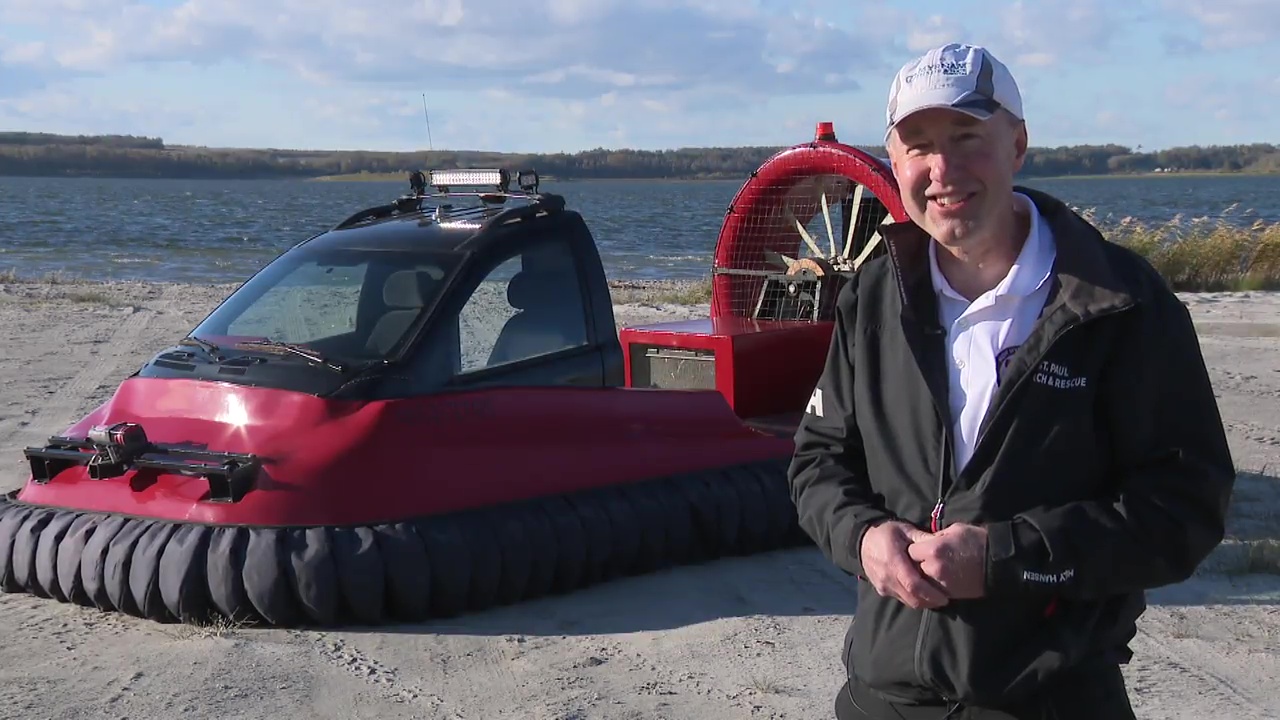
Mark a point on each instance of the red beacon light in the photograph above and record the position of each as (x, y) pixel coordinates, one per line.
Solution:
(826, 132)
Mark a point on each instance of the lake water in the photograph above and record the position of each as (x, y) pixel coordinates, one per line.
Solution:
(222, 231)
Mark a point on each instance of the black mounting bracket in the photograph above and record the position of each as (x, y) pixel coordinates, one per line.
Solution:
(111, 452)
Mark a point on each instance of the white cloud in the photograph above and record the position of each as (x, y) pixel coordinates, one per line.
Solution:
(1237, 100)
(1230, 24)
(1239, 108)
(23, 53)
(1040, 34)
(29, 66)
(1022, 33)
(65, 112)
(552, 48)
(554, 74)
(933, 31)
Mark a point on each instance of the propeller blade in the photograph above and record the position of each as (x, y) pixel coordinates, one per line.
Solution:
(826, 216)
(776, 258)
(804, 234)
(871, 243)
(853, 220)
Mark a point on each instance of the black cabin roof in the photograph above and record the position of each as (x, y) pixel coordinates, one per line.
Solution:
(435, 222)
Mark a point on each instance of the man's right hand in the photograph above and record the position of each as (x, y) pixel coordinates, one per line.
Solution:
(891, 570)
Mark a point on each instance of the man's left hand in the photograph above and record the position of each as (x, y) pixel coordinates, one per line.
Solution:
(955, 558)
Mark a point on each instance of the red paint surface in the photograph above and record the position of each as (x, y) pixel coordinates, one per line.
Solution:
(334, 463)
(762, 367)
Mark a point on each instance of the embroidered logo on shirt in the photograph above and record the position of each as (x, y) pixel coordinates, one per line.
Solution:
(1003, 358)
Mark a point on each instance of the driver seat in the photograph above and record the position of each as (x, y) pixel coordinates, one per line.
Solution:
(404, 293)
(550, 316)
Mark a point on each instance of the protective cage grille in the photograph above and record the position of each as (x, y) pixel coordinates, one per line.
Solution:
(798, 228)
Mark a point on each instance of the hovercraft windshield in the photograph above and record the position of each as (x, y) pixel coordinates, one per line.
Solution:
(313, 317)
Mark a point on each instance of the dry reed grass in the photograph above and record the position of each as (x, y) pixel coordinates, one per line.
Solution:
(1204, 254)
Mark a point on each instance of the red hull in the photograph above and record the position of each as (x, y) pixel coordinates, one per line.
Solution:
(332, 463)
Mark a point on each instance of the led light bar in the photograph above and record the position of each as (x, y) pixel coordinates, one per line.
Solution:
(453, 178)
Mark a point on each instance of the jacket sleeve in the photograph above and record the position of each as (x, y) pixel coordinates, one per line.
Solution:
(1173, 476)
(828, 474)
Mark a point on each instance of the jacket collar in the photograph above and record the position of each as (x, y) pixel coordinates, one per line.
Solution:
(1084, 282)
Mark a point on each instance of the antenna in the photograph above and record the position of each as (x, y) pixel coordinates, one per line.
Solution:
(427, 115)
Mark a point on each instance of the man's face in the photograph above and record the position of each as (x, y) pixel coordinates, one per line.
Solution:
(955, 172)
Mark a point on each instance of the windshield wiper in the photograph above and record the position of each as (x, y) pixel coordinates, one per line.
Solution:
(311, 355)
(205, 345)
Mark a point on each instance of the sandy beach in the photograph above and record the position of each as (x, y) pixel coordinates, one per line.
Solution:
(750, 637)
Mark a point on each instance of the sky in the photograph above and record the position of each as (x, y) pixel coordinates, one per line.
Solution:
(568, 75)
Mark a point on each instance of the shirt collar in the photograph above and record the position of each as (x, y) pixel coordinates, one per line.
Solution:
(1030, 269)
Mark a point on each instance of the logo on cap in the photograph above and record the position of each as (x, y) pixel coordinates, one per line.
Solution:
(943, 67)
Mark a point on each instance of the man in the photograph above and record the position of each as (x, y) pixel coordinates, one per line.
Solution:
(1014, 435)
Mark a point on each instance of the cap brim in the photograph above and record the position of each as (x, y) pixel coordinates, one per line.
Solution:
(977, 106)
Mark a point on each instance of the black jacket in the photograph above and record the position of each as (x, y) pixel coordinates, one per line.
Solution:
(1102, 468)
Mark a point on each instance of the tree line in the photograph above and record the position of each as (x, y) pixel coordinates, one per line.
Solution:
(47, 154)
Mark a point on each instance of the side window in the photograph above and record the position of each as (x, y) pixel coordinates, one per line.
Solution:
(311, 303)
(485, 313)
(527, 306)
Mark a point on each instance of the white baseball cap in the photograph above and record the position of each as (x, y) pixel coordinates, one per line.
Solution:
(962, 77)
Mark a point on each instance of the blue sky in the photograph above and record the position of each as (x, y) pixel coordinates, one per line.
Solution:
(567, 75)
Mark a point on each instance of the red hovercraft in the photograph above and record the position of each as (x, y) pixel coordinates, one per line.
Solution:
(428, 410)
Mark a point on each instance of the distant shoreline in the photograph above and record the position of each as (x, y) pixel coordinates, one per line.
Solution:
(26, 154)
(402, 177)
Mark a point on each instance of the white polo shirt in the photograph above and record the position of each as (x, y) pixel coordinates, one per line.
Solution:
(982, 336)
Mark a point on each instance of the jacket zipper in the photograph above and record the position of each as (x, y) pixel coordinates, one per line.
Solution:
(935, 516)
(935, 524)
(945, 455)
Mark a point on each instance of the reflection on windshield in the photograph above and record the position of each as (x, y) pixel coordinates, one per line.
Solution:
(348, 304)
